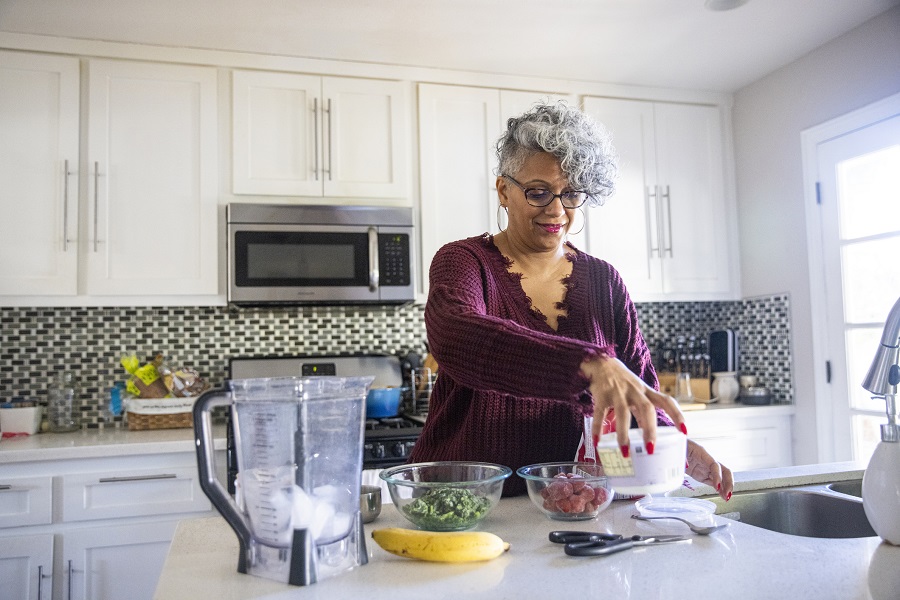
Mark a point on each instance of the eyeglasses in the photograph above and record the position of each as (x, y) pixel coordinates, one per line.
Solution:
(539, 197)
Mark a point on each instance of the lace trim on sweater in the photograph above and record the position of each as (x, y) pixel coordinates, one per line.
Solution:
(569, 282)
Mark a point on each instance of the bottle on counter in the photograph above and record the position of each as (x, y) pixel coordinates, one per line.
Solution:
(63, 407)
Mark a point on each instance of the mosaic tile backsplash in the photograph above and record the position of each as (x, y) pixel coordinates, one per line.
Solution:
(37, 343)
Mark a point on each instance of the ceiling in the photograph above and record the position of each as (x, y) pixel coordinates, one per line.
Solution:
(658, 43)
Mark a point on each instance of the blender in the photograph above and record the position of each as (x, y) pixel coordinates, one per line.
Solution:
(299, 446)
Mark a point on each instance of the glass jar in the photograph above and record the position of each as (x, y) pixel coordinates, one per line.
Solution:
(63, 407)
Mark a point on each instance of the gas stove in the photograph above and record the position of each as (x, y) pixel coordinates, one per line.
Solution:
(387, 441)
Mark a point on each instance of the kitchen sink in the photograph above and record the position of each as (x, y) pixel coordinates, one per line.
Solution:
(822, 511)
(851, 488)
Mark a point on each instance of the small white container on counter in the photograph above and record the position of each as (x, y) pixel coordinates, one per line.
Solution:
(642, 473)
(21, 420)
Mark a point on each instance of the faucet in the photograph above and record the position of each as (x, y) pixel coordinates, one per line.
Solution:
(884, 373)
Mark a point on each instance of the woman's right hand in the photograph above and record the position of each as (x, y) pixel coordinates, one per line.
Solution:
(615, 388)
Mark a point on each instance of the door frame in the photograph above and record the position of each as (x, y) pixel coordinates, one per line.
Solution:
(810, 139)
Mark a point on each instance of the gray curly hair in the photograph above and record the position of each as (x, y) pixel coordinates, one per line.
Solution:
(584, 147)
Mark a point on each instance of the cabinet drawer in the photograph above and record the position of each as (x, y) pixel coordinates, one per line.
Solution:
(26, 501)
(109, 495)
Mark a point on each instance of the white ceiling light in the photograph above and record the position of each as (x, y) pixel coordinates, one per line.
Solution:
(724, 4)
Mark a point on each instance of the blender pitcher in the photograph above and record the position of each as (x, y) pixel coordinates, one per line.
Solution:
(299, 446)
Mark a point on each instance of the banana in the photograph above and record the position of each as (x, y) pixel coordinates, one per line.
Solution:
(440, 546)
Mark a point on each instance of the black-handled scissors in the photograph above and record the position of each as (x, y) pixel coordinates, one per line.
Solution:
(589, 543)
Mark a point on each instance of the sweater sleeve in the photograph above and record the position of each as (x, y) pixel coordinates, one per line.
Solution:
(489, 352)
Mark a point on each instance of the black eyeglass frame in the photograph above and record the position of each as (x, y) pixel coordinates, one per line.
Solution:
(553, 196)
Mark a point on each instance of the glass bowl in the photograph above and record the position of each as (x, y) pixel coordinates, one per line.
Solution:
(445, 496)
(568, 491)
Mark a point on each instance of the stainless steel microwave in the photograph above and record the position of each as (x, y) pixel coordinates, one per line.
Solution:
(298, 254)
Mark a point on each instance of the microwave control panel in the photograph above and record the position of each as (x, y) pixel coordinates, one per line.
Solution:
(393, 259)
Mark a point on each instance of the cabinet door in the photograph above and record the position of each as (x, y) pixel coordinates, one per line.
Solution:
(277, 137)
(38, 174)
(365, 138)
(109, 563)
(457, 129)
(695, 234)
(624, 231)
(152, 163)
(26, 566)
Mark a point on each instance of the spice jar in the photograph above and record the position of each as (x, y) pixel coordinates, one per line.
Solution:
(63, 410)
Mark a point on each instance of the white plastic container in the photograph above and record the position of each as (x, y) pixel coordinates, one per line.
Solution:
(21, 420)
(642, 473)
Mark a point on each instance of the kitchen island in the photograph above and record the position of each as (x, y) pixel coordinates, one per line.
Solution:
(740, 561)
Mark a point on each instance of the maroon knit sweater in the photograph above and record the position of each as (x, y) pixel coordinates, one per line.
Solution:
(509, 389)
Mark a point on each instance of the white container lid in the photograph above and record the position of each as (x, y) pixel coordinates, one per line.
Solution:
(642, 473)
(694, 510)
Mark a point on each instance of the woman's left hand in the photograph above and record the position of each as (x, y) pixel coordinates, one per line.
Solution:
(705, 469)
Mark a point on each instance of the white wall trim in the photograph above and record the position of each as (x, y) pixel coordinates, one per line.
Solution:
(298, 64)
(809, 141)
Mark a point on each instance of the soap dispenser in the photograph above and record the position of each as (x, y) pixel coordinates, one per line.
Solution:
(881, 482)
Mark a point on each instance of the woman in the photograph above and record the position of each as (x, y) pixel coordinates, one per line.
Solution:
(530, 333)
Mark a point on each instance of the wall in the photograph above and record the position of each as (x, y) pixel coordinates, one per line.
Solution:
(36, 343)
(854, 70)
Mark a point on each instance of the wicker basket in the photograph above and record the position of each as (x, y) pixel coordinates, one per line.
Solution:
(160, 413)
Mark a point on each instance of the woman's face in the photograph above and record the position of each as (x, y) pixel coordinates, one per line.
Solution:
(537, 228)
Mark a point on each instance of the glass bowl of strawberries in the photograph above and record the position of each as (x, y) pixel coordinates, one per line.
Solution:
(568, 491)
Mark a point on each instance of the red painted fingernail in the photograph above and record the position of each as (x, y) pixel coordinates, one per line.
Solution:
(718, 487)
(596, 440)
(625, 450)
(683, 428)
(649, 447)
(687, 465)
(728, 497)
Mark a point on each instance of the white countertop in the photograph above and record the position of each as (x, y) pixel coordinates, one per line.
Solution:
(95, 443)
(741, 561)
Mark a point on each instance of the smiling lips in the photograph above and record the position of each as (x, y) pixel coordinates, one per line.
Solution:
(552, 227)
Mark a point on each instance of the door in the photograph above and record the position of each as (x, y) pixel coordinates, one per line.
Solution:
(365, 138)
(859, 212)
(152, 163)
(38, 174)
(624, 231)
(277, 135)
(109, 563)
(457, 127)
(694, 231)
(26, 566)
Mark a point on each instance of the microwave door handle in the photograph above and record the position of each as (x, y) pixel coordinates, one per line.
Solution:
(373, 259)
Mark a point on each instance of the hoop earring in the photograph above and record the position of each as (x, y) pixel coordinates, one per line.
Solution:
(583, 221)
(502, 228)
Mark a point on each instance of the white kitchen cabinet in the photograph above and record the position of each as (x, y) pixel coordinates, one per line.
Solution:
(94, 528)
(669, 227)
(306, 135)
(137, 214)
(152, 205)
(458, 129)
(39, 104)
(26, 567)
(108, 563)
(744, 438)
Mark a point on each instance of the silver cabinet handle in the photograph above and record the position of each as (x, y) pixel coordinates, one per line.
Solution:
(41, 578)
(5, 487)
(96, 204)
(137, 478)
(651, 249)
(668, 221)
(69, 571)
(373, 259)
(316, 138)
(328, 112)
(66, 174)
